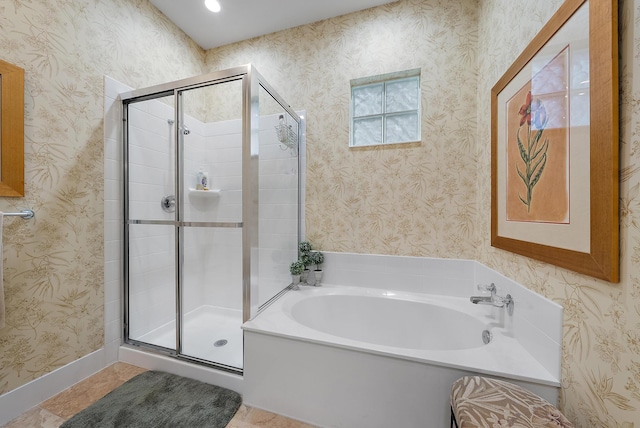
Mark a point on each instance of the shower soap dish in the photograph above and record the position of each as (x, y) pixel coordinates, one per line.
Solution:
(210, 192)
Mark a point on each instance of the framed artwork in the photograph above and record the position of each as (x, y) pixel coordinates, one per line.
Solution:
(554, 144)
(11, 130)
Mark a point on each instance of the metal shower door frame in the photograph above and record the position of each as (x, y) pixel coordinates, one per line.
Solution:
(251, 83)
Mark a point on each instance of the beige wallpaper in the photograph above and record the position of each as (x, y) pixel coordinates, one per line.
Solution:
(428, 199)
(416, 199)
(53, 264)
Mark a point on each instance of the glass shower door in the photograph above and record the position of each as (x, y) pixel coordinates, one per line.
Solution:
(211, 224)
(151, 273)
(278, 196)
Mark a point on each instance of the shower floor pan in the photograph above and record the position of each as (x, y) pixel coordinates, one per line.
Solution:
(205, 330)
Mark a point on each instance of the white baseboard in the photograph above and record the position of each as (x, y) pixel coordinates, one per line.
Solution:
(16, 402)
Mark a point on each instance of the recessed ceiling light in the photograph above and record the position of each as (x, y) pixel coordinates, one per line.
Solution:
(212, 5)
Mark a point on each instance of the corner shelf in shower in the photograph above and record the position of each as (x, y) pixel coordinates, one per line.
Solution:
(204, 193)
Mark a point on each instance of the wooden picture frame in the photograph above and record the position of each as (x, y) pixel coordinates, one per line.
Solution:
(11, 130)
(554, 144)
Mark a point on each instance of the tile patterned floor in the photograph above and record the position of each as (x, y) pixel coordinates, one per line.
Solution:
(56, 410)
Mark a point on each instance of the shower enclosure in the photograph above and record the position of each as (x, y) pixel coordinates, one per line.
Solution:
(199, 260)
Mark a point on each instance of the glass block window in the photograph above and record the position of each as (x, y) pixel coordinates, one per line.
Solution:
(385, 109)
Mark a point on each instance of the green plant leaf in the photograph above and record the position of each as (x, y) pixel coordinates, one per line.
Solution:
(522, 176)
(544, 148)
(542, 162)
(537, 135)
(523, 201)
(523, 152)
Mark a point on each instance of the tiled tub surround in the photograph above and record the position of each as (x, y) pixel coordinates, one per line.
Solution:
(299, 371)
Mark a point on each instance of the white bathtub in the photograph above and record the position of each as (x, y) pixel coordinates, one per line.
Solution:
(385, 321)
(340, 356)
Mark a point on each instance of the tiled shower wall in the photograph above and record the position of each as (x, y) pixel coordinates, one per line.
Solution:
(213, 256)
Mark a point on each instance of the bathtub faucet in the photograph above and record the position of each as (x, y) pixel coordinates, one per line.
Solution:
(485, 300)
(494, 299)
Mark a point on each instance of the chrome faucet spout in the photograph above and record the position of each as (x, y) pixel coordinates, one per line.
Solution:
(483, 300)
(494, 300)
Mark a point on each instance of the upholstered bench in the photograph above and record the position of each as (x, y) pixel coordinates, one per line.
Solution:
(483, 402)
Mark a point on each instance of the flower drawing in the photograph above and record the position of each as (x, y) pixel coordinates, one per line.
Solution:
(533, 153)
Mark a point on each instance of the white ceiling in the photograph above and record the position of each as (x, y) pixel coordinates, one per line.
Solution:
(243, 19)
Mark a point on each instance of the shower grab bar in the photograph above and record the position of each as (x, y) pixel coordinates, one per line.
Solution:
(25, 214)
(231, 225)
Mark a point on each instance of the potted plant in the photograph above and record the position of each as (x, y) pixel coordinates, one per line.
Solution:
(304, 248)
(317, 258)
(296, 268)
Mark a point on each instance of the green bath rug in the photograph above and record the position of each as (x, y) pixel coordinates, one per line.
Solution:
(157, 399)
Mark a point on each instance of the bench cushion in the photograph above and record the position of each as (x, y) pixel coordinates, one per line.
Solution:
(478, 401)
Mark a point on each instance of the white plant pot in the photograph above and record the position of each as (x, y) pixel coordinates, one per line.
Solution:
(305, 276)
(317, 274)
(311, 278)
(295, 279)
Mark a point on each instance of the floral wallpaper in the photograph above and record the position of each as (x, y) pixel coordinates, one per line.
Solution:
(413, 199)
(53, 264)
(428, 199)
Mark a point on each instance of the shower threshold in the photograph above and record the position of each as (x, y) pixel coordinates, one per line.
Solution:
(204, 329)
